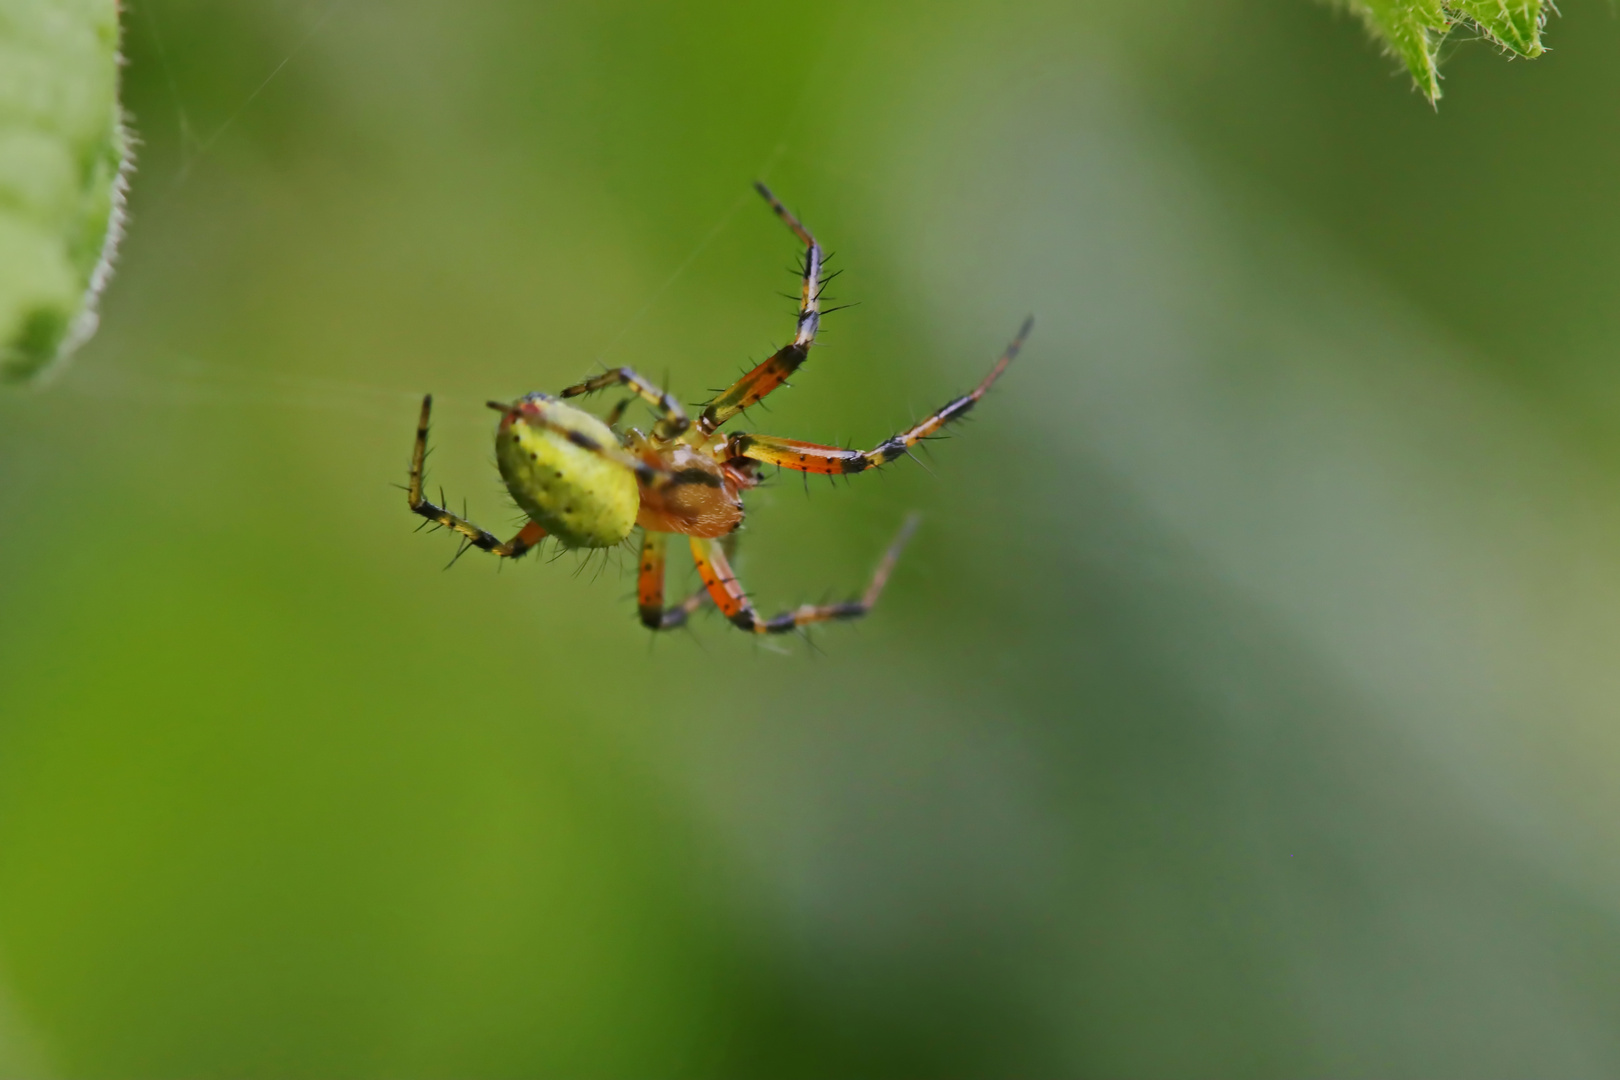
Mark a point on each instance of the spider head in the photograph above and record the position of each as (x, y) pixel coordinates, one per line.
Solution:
(551, 456)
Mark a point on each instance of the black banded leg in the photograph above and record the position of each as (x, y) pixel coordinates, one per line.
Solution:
(674, 420)
(650, 588)
(530, 535)
(775, 371)
(816, 458)
(729, 596)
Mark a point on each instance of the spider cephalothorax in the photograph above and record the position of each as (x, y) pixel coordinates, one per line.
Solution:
(587, 487)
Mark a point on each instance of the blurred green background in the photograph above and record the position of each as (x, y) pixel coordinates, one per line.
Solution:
(1247, 705)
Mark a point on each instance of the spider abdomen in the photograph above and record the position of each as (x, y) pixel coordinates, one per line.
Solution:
(545, 452)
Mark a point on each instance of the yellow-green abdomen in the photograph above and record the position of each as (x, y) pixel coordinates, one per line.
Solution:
(579, 496)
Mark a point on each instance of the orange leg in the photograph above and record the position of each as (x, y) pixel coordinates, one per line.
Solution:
(728, 595)
(650, 588)
(530, 535)
(815, 458)
(753, 386)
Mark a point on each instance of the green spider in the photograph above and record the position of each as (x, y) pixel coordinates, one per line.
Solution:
(586, 487)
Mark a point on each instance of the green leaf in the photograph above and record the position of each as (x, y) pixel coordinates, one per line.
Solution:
(1413, 30)
(1513, 24)
(64, 154)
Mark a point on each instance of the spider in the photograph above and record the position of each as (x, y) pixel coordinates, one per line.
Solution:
(587, 487)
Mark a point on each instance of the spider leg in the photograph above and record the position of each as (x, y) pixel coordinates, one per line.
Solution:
(728, 594)
(650, 588)
(527, 537)
(616, 413)
(674, 421)
(835, 461)
(775, 371)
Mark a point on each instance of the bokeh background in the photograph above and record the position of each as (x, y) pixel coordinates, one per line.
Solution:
(1247, 705)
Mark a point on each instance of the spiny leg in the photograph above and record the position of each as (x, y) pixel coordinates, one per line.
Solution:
(650, 588)
(674, 421)
(816, 458)
(766, 377)
(728, 594)
(530, 535)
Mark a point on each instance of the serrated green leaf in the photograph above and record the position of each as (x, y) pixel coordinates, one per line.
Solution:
(63, 156)
(1512, 24)
(1413, 30)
